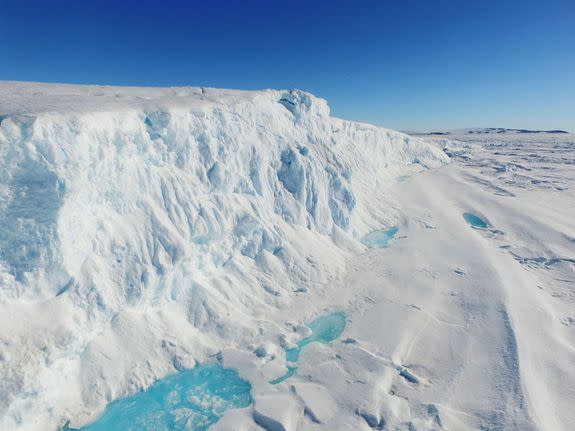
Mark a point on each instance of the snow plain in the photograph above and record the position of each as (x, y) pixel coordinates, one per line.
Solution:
(143, 231)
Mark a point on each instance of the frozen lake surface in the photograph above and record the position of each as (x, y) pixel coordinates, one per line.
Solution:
(324, 329)
(380, 238)
(189, 400)
(475, 221)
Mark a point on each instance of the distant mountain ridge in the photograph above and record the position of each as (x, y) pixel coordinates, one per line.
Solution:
(487, 130)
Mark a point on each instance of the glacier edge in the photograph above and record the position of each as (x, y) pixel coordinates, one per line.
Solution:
(139, 236)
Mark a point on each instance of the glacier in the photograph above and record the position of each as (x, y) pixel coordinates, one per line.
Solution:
(143, 231)
(147, 234)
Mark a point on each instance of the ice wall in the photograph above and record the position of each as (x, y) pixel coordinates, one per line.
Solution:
(219, 202)
(140, 191)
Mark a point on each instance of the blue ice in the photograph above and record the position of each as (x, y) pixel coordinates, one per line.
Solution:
(380, 238)
(475, 221)
(324, 329)
(290, 372)
(189, 400)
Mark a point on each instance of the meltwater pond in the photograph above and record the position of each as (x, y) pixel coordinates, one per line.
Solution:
(380, 238)
(190, 400)
(475, 221)
(324, 329)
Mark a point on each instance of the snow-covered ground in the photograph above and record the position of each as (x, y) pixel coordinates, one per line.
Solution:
(143, 231)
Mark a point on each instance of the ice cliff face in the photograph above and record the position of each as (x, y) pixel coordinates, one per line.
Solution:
(115, 201)
(140, 191)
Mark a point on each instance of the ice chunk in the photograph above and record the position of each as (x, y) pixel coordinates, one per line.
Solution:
(277, 412)
(319, 404)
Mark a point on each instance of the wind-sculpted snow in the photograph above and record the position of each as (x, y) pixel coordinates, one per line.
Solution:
(137, 225)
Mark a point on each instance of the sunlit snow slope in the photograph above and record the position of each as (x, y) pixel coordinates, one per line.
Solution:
(142, 230)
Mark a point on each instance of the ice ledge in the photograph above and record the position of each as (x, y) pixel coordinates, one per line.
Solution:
(33, 99)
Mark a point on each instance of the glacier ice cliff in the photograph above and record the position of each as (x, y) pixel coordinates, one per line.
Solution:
(141, 230)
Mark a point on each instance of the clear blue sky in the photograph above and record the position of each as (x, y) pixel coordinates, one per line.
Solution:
(405, 64)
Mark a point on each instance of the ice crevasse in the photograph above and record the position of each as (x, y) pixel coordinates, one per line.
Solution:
(140, 222)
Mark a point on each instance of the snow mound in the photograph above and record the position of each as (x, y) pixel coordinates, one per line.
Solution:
(137, 224)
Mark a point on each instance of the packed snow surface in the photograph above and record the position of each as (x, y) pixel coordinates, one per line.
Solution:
(148, 232)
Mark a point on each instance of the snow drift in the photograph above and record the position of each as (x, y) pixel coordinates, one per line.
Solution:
(142, 230)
